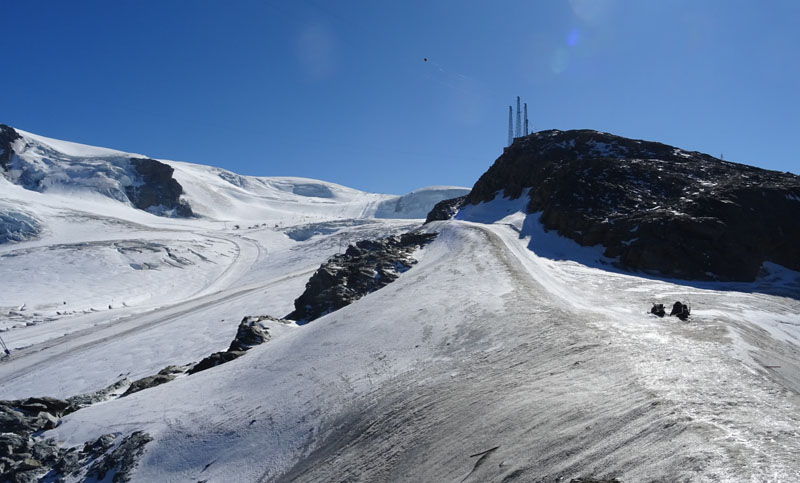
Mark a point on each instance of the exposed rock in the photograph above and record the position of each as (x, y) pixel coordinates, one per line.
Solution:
(445, 209)
(214, 360)
(26, 457)
(680, 311)
(250, 333)
(658, 309)
(83, 400)
(157, 190)
(11, 443)
(654, 207)
(594, 480)
(364, 268)
(122, 460)
(148, 382)
(29, 415)
(7, 136)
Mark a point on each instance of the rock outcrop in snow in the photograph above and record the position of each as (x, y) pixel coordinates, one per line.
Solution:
(251, 332)
(25, 456)
(41, 164)
(156, 190)
(654, 207)
(445, 209)
(363, 268)
(7, 137)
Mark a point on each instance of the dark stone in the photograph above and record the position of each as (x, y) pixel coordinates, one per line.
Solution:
(7, 137)
(46, 451)
(148, 382)
(654, 207)
(214, 360)
(157, 190)
(250, 333)
(445, 209)
(99, 446)
(364, 268)
(658, 309)
(51, 405)
(11, 420)
(11, 443)
(680, 310)
(122, 460)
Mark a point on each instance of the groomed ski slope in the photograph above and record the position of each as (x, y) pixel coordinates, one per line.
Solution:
(539, 366)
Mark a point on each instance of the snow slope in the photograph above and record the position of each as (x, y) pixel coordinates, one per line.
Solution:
(548, 367)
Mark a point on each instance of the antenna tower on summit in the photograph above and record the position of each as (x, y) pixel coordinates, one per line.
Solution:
(526, 118)
(510, 126)
(522, 126)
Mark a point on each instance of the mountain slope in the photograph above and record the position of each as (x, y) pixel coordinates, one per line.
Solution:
(176, 188)
(506, 353)
(469, 351)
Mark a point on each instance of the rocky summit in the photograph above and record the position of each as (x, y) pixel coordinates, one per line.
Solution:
(654, 207)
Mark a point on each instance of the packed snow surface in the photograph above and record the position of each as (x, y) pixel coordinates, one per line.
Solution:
(506, 354)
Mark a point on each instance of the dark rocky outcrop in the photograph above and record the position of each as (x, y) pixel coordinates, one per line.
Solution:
(121, 461)
(445, 209)
(7, 136)
(85, 400)
(156, 190)
(363, 268)
(249, 334)
(164, 375)
(654, 207)
(25, 456)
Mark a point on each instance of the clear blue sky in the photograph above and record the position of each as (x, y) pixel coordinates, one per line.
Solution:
(340, 91)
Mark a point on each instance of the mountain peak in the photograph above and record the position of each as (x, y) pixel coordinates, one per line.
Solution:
(653, 206)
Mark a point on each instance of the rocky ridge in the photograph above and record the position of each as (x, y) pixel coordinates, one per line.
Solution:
(654, 207)
(27, 457)
(363, 268)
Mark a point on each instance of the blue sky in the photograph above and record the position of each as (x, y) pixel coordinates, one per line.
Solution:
(340, 90)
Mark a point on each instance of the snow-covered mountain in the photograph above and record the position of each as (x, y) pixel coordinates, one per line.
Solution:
(505, 353)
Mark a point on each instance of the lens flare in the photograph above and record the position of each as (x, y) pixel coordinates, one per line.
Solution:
(573, 37)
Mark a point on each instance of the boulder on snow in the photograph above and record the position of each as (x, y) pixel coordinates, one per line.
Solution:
(680, 310)
(658, 309)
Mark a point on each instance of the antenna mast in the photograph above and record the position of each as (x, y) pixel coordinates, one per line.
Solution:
(526, 118)
(519, 123)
